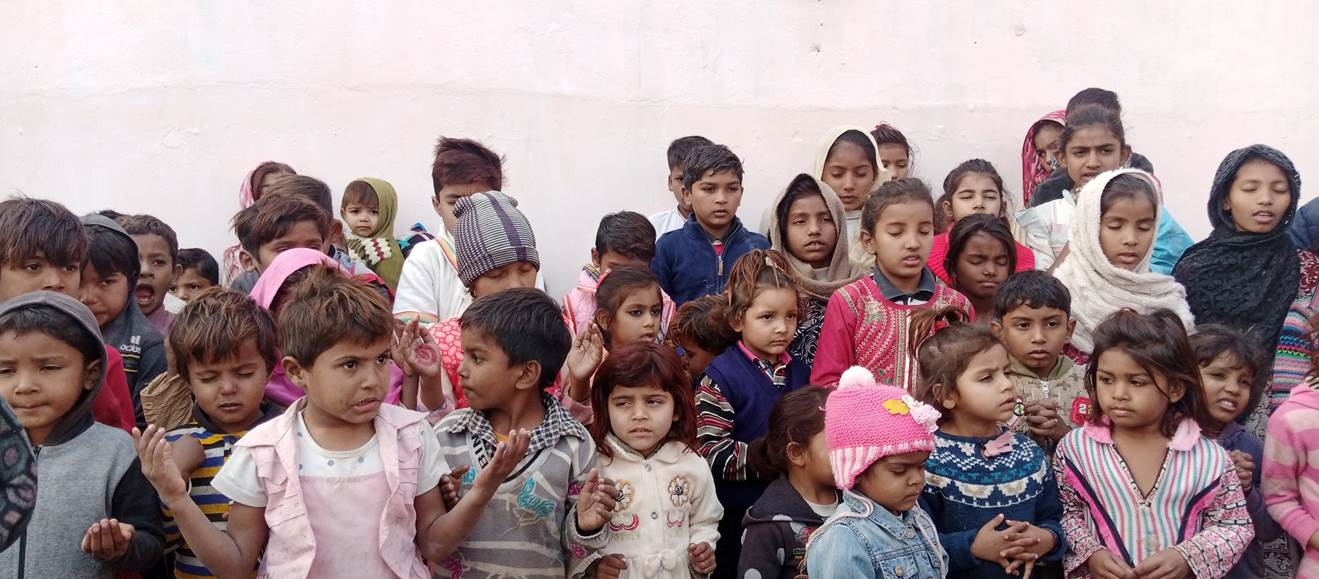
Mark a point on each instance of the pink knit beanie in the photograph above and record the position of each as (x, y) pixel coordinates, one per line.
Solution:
(864, 422)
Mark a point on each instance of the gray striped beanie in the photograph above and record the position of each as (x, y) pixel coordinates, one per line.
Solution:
(491, 233)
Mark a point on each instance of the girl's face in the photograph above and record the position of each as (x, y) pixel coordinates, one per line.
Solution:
(637, 318)
(641, 416)
(895, 160)
(812, 459)
(984, 394)
(849, 172)
(983, 264)
(345, 384)
(1092, 150)
(1126, 231)
(976, 193)
(895, 482)
(1047, 145)
(900, 241)
(1132, 397)
(812, 234)
(768, 325)
(105, 296)
(1227, 384)
(362, 220)
(1259, 197)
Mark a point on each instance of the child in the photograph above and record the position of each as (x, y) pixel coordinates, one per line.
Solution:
(200, 272)
(253, 188)
(878, 438)
(806, 229)
(224, 348)
(981, 475)
(674, 219)
(980, 256)
(1288, 479)
(974, 187)
(847, 161)
(356, 459)
(690, 262)
(800, 499)
(157, 250)
(368, 208)
(1230, 369)
(700, 334)
(272, 292)
(112, 271)
(628, 307)
(623, 238)
(741, 385)
(1052, 187)
(1040, 152)
(52, 363)
(1108, 262)
(646, 444)
(1144, 494)
(556, 504)
(1033, 321)
(278, 223)
(895, 153)
(866, 321)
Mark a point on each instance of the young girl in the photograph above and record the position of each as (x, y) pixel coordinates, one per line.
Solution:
(974, 187)
(666, 521)
(1144, 494)
(1290, 479)
(800, 499)
(628, 306)
(1108, 262)
(980, 256)
(368, 209)
(742, 384)
(254, 185)
(805, 229)
(1041, 152)
(989, 491)
(895, 153)
(866, 321)
(271, 292)
(1231, 371)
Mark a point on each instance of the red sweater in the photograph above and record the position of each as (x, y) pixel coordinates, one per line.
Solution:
(939, 250)
(113, 405)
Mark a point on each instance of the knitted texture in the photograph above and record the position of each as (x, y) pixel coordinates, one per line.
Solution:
(864, 422)
(491, 233)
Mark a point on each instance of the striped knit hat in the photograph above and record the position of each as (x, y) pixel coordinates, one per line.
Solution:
(864, 422)
(491, 233)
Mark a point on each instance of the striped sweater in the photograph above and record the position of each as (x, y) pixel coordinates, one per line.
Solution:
(1291, 481)
(1291, 362)
(1196, 505)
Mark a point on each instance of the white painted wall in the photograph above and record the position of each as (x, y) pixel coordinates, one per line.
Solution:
(162, 107)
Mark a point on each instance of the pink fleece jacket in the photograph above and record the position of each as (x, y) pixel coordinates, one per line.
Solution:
(1290, 482)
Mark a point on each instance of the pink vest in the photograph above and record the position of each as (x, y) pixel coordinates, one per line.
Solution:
(291, 548)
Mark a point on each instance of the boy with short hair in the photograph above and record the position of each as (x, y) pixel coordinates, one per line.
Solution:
(699, 337)
(277, 223)
(158, 250)
(674, 219)
(623, 238)
(694, 261)
(199, 271)
(1032, 317)
(515, 342)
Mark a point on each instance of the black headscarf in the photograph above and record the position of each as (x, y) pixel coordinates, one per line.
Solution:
(1240, 279)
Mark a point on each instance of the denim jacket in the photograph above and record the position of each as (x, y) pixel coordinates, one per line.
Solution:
(864, 539)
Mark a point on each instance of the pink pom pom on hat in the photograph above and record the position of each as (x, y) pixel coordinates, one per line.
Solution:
(865, 421)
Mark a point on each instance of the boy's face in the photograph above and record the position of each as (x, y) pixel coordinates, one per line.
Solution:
(715, 198)
(362, 220)
(158, 272)
(519, 274)
(1227, 385)
(42, 378)
(896, 481)
(36, 273)
(189, 284)
(900, 242)
(1035, 336)
(675, 187)
(611, 260)
(696, 358)
(347, 383)
(301, 234)
(230, 391)
(448, 196)
(105, 296)
(485, 374)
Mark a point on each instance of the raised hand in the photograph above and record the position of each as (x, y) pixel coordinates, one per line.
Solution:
(415, 351)
(588, 350)
(158, 462)
(596, 503)
(107, 539)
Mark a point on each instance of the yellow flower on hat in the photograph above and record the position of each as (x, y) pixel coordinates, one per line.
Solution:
(896, 407)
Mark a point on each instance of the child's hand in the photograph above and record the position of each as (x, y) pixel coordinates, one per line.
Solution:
(609, 567)
(1106, 566)
(158, 463)
(188, 455)
(449, 486)
(1245, 468)
(588, 350)
(991, 543)
(1027, 547)
(107, 539)
(507, 456)
(1166, 564)
(415, 351)
(596, 503)
(1043, 421)
(702, 558)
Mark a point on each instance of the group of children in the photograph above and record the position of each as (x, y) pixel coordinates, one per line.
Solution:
(880, 382)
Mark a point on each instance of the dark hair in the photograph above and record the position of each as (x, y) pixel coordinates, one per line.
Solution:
(309, 187)
(701, 323)
(967, 228)
(758, 269)
(886, 134)
(32, 226)
(1158, 343)
(707, 159)
(1211, 340)
(148, 225)
(1128, 186)
(683, 146)
(57, 324)
(110, 252)
(626, 233)
(1092, 115)
(259, 174)
(615, 286)
(198, 259)
(1094, 97)
(327, 308)
(464, 161)
(944, 354)
(273, 216)
(943, 210)
(803, 185)
(892, 193)
(859, 139)
(643, 364)
(359, 192)
(214, 326)
(796, 418)
(526, 324)
(1032, 289)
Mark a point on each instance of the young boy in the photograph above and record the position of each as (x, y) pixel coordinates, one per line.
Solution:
(514, 344)
(112, 268)
(95, 512)
(694, 261)
(158, 250)
(623, 238)
(277, 223)
(1032, 317)
(199, 271)
(699, 338)
(674, 219)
